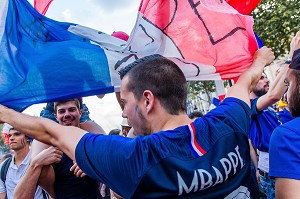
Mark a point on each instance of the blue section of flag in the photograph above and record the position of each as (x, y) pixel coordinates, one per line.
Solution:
(258, 40)
(42, 61)
(215, 101)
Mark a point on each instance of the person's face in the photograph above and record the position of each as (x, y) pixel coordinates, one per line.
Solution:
(133, 110)
(262, 86)
(17, 140)
(293, 98)
(67, 114)
(125, 130)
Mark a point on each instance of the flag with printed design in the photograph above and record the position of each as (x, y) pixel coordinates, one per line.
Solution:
(45, 60)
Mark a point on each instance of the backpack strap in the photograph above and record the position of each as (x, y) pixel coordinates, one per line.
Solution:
(4, 168)
(45, 195)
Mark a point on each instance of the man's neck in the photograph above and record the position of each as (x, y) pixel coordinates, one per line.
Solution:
(20, 155)
(253, 95)
(170, 122)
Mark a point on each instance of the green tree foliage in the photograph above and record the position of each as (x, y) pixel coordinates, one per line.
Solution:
(275, 22)
(197, 87)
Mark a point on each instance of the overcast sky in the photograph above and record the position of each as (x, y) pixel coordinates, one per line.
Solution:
(106, 16)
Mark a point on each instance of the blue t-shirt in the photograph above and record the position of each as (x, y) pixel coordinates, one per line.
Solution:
(284, 151)
(268, 120)
(208, 158)
(285, 116)
(67, 185)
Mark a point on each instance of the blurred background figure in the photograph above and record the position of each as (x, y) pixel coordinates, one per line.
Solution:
(125, 127)
(115, 132)
(195, 114)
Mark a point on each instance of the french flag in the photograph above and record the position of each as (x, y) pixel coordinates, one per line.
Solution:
(45, 60)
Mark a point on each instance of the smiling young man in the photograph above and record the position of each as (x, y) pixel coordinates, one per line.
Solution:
(57, 179)
(178, 157)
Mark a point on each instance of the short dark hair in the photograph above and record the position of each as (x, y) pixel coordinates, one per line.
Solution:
(162, 77)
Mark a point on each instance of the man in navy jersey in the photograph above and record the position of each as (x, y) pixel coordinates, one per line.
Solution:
(176, 157)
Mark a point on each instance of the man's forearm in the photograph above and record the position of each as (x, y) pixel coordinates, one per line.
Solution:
(46, 180)
(248, 80)
(32, 126)
(27, 186)
(65, 138)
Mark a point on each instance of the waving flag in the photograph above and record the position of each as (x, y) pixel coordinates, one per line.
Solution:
(42, 5)
(45, 60)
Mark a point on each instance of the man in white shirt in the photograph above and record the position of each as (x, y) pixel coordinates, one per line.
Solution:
(19, 143)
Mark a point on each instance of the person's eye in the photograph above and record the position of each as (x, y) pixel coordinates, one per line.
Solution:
(60, 112)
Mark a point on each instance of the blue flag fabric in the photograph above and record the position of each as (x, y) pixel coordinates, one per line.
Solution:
(42, 61)
(259, 41)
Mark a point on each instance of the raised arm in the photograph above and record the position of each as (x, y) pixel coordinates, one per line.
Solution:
(44, 130)
(278, 87)
(250, 77)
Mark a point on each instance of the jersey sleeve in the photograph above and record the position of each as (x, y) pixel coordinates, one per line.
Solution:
(284, 153)
(233, 112)
(97, 156)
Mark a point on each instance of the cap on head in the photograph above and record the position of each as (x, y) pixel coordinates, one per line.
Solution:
(121, 35)
(295, 64)
(125, 122)
(6, 128)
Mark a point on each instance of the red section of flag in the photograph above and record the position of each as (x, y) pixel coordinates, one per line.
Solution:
(221, 97)
(207, 31)
(244, 7)
(42, 5)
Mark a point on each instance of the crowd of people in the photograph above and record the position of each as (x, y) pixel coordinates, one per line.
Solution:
(243, 148)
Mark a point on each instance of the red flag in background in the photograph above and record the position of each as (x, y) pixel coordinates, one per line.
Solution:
(42, 5)
(206, 33)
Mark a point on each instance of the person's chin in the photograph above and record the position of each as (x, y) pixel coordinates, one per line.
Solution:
(68, 124)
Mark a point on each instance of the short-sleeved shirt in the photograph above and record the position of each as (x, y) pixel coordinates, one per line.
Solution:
(284, 151)
(285, 116)
(14, 175)
(268, 120)
(208, 158)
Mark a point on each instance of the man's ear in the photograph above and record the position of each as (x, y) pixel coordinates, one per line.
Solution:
(148, 100)
(55, 117)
